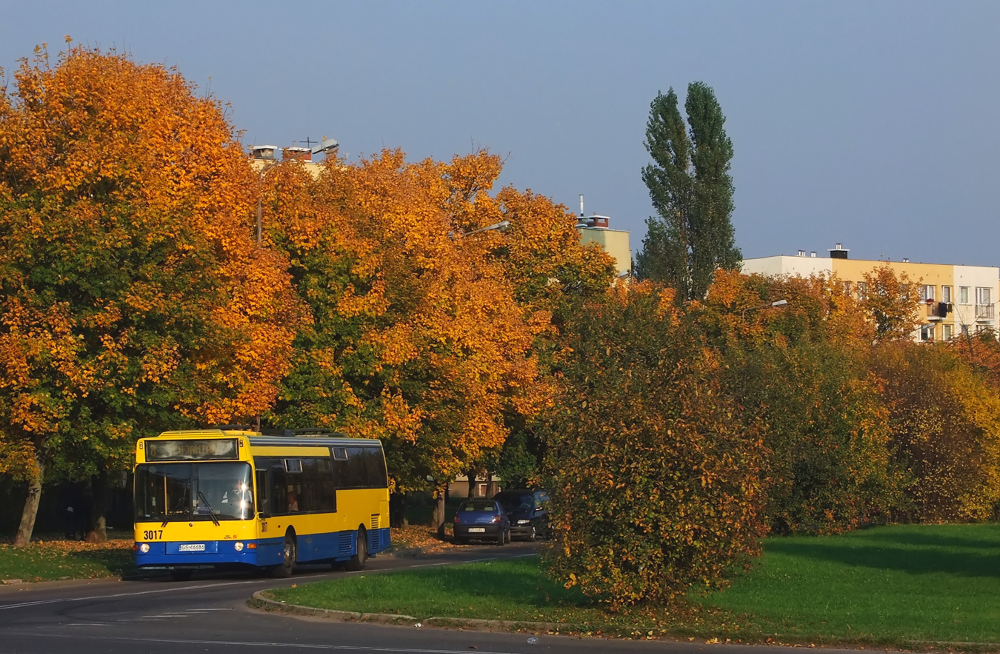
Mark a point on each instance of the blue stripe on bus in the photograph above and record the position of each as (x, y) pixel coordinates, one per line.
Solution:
(339, 546)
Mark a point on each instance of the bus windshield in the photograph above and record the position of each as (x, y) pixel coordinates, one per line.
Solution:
(193, 491)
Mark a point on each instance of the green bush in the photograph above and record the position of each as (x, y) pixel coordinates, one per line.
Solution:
(654, 481)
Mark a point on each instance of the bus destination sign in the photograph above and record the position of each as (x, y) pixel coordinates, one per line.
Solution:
(192, 450)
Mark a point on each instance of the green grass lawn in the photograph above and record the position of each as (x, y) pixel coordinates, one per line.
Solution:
(511, 589)
(889, 585)
(49, 560)
(907, 582)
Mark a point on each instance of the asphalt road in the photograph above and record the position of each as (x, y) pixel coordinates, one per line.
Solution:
(209, 614)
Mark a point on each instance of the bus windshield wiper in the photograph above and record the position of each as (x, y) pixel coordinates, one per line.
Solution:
(211, 513)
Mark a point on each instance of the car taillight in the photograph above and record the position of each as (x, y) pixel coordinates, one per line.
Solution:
(496, 518)
(456, 519)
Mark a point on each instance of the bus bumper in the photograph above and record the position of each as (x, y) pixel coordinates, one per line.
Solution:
(205, 554)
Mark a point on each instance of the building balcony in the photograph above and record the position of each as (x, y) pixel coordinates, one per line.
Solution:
(985, 311)
(938, 310)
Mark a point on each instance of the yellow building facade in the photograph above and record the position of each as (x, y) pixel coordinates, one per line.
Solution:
(613, 241)
(955, 299)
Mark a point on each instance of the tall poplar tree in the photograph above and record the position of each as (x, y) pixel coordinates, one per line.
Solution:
(692, 191)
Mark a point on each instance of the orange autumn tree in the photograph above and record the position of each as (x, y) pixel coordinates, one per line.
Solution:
(131, 296)
(416, 337)
(890, 303)
(550, 270)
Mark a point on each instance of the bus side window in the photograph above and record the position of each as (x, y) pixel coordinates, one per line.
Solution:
(264, 495)
(357, 470)
(375, 465)
(279, 492)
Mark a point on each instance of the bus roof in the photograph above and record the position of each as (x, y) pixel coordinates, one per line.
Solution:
(274, 437)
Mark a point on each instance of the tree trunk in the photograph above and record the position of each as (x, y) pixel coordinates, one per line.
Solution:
(30, 512)
(97, 530)
(471, 474)
(439, 509)
(397, 510)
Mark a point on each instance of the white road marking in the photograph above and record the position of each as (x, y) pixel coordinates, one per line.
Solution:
(86, 624)
(271, 644)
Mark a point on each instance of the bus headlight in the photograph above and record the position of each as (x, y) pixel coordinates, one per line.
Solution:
(144, 547)
(238, 546)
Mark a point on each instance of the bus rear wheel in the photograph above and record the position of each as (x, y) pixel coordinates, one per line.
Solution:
(288, 564)
(359, 560)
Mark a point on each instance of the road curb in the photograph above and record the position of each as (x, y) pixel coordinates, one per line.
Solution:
(261, 602)
(480, 624)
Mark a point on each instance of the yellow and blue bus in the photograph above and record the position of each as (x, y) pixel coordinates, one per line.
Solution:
(235, 498)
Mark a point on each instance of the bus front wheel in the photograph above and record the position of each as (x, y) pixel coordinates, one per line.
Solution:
(288, 564)
(359, 560)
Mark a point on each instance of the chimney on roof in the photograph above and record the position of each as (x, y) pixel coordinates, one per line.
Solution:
(813, 254)
(263, 152)
(905, 260)
(802, 253)
(838, 252)
(297, 152)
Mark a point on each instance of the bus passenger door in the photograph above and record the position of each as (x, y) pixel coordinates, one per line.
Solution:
(264, 503)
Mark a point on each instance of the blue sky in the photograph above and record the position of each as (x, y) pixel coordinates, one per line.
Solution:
(873, 124)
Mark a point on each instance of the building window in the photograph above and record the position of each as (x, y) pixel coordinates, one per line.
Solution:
(983, 296)
(965, 330)
(927, 293)
(946, 331)
(963, 294)
(862, 290)
(927, 333)
(847, 288)
(946, 294)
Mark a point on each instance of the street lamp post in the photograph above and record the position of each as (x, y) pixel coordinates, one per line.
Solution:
(502, 226)
(325, 147)
(766, 305)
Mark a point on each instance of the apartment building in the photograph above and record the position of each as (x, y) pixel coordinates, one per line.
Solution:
(955, 299)
(595, 229)
(265, 156)
(615, 242)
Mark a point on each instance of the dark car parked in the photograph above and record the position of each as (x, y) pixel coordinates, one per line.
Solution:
(528, 512)
(481, 520)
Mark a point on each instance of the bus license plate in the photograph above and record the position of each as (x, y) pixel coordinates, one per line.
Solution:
(477, 530)
(191, 547)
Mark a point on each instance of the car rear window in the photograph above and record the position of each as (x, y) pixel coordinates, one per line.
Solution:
(478, 506)
(524, 500)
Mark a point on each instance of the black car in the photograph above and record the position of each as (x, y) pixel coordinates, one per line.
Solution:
(528, 512)
(481, 520)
